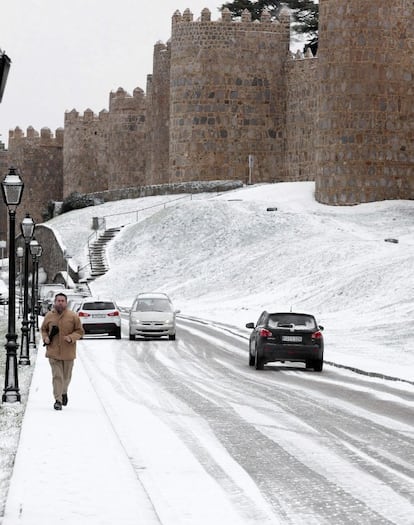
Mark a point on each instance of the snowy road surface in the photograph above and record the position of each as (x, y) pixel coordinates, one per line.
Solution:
(214, 441)
(185, 433)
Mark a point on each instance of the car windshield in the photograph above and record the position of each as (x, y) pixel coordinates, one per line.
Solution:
(153, 305)
(287, 320)
(99, 305)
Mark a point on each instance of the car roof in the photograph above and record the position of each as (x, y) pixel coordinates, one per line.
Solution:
(97, 300)
(289, 313)
(148, 295)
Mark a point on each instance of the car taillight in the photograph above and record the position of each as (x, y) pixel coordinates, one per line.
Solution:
(265, 333)
(83, 314)
(317, 335)
(112, 314)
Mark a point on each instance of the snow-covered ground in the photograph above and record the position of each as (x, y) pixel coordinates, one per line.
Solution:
(225, 258)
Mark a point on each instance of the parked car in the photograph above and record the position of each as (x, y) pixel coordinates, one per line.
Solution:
(44, 288)
(152, 315)
(286, 337)
(71, 295)
(100, 316)
(74, 304)
(47, 297)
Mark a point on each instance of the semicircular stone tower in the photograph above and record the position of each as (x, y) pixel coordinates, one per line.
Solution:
(228, 97)
(365, 128)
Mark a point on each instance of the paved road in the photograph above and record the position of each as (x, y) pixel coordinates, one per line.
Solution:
(282, 445)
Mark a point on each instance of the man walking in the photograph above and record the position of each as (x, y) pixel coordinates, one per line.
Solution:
(61, 328)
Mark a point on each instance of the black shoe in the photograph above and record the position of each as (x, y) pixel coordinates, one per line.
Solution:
(57, 405)
(64, 399)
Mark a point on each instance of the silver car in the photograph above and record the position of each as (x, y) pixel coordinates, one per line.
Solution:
(152, 315)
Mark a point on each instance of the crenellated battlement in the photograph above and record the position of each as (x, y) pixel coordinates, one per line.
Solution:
(121, 100)
(265, 23)
(222, 90)
(88, 116)
(44, 138)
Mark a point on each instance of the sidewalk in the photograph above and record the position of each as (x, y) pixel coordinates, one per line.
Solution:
(70, 467)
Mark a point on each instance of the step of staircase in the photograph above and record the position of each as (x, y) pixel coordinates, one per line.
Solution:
(97, 251)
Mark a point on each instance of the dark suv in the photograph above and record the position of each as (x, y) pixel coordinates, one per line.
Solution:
(286, 337)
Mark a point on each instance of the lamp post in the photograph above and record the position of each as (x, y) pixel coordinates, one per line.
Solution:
(27, 227)
(20, 253)
(12, 189)
(39, 251)
(35, 251)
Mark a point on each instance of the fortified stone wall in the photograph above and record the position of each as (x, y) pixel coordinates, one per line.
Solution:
(85, 155)
(223, 90)
(228, 97)
(301, 116)
(126, 139)
(365, 142)
(39, 158)
(158, 122)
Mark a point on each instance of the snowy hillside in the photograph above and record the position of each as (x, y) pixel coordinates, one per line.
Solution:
(226, 258)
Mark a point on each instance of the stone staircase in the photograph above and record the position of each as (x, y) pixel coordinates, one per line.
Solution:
(97, 259)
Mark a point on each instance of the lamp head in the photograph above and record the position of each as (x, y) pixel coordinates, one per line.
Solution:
(35, 248)
(12, 188)
(27, 226)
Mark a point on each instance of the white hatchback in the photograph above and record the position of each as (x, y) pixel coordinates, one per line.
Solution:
(100, 316)
(152, 315)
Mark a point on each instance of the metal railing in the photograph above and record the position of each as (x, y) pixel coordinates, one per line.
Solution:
(110, 221)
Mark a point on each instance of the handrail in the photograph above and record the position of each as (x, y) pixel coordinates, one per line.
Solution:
(164, 204)
(102, 225)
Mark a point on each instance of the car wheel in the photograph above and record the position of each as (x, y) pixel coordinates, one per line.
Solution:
(171, 337)
(131, 337)
(252, 359)
(118, 333)
(318, 365)
(259, 362)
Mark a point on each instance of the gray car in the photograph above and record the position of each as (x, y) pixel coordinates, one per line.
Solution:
(152, 315)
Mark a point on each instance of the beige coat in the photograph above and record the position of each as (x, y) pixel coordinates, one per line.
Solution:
(69, 324)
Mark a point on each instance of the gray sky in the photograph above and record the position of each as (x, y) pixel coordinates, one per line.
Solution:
(71, 54)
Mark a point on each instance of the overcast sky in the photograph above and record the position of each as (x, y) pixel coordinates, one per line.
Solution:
(69, 55)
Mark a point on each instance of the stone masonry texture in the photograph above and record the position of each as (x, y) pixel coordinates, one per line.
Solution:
(222, 90)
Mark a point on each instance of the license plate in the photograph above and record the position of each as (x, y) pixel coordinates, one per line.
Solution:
(99, 316)
(292, 338)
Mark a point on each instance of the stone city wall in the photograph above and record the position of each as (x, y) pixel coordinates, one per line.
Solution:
(301, 117)
(126, 155)
(85, 155)
(39, 159)
(222, 90)
(365, 136)
(228, 96)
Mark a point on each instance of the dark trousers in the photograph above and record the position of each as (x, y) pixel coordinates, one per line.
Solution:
(61, 376)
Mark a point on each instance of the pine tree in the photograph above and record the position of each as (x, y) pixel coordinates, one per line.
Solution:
(305, 14)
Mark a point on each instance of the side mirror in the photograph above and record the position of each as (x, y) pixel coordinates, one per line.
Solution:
(250, 325)
(320, 328)
(177, 311)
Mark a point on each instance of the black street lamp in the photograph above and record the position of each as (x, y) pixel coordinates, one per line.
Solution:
(20, 253)
(12, 189)
(27, 227)
(36, 252)
(39, 251)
